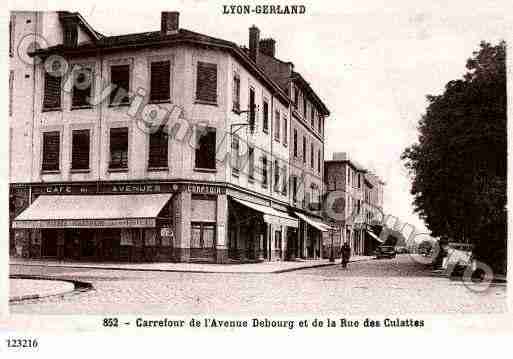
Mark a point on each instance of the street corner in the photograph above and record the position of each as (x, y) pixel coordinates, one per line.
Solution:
(26, 287)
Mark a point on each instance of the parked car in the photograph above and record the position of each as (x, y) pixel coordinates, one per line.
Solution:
(401, 250)
(385, 252)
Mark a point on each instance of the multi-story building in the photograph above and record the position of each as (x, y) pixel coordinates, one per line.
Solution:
(356, 199)
(164, 145)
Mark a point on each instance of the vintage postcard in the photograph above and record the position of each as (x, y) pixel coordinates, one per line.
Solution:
(310, 168)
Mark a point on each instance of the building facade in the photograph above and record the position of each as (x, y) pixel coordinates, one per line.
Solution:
(356, 199)
(161, 146)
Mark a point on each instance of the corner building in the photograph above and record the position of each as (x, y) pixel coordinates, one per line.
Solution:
(161, 146)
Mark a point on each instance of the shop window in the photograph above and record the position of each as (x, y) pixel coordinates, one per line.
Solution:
(51, 151)
(265, 117)
(160, 81)
(158, 151)
(205, 157)
(203, 235)
(277, 240)
(120, 78)
(206, 82)
(52, 92)
(82, 88)
(80, 149)
(118, 148)
(236, 92)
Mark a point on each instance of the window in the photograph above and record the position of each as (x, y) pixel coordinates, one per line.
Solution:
(11, 88)
(251, 110)
(276, 176)
(294, 189)
(51, 151)
(359, 181)
(304, 149)
(305, 106)
(319, 161)
(206, 148)
(52, 92)
(295, 142)
(83, 80)
(118, 148)
(312, 160)
(264, 171)
(285, 131)
(206, 82)
(160, 81)
(284, 179)
(296, 97)
(120, 78)
(80, 149)
(251, 164)
(158, 152)
(277, 125)
(235, 157)
(203, 235)
(265, 124)
(320, 124)
(312, 116)
(236, 92)
(12, 22)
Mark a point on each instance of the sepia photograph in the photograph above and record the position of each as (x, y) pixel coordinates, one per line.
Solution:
(240, 165)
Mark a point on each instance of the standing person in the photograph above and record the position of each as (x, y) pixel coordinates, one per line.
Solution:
(346, 254)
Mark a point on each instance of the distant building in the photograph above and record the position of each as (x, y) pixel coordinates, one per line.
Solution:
(357, 199)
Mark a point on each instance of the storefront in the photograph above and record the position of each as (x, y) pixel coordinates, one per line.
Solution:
(311, 238)
(258, 231)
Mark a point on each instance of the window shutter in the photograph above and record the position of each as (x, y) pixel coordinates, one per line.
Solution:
(158, 149)
(119, 147)
(52, 92)
(51, 149)
(160, 74)
(120, 76)
(206, 82)
(80, 149)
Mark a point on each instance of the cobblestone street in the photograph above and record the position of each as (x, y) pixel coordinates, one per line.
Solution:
(391, 286)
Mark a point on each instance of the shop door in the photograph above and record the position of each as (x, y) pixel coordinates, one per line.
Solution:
(49, 242)
(87, 244)
(111, 242)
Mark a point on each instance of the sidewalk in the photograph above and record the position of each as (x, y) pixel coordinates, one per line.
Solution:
(263, 267)
(24, 289)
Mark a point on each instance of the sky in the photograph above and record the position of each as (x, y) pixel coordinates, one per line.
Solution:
(372, 63)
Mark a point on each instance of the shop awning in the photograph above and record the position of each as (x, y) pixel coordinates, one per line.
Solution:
(375, 237)
(93, 211)
(271, 215)
(314, 222)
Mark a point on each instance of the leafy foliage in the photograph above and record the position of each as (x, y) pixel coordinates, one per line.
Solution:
(459, 164)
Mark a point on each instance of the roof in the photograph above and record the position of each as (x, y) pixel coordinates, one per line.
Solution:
(296, 76)
(352, 163)
(106, 44)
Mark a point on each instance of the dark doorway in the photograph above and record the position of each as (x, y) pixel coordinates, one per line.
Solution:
(49, 242)
(111, 242)
(87, 244)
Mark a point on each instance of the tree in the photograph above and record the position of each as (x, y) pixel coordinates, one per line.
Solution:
(458, 166)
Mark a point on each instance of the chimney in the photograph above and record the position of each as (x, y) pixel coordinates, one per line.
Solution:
(254, 42)
(70, 29)
(268, 47)
(169, 22)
